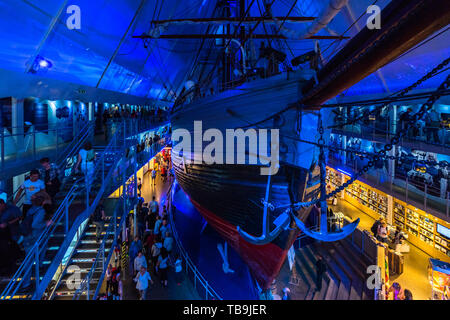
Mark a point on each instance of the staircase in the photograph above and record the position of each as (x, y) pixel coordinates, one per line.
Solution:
(73, 209)
(85, 254)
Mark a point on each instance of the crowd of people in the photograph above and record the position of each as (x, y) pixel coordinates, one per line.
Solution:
(20, 229)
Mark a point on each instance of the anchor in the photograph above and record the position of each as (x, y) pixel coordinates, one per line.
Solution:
(323, 234)
(267, 236)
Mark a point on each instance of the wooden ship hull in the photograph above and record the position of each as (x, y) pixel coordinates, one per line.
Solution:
(232, 195)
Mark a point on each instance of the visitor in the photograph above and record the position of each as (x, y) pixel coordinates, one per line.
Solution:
(135, 247)
(156, 229)
(286, 294)
(86, 158)
(142, 279)
(31, 229)
(154, 177)
(156, 251)
(98, 219)
(9, 235)
(108, 275)
(154, 206)
(433, 125)
(168, 242)
(321, 267)
(31, 186)
(139, 186)
(383, 232)
(164, 173)
(9, 217)
(407, 295)
(178, 268)
(119, 284)
(164, 228)
(375, 226)
(149, 240)
(140, 261)
(50, 175)
(162, 265)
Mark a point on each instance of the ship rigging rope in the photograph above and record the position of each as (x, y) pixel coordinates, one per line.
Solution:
(372, 159)
(398, 94)
(395, 97)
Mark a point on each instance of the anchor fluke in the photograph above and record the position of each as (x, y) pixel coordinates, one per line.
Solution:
(327, 236)
(267, 237)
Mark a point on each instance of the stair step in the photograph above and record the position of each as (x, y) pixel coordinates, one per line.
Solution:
(331, 291)
(342, 292)
(354, 295)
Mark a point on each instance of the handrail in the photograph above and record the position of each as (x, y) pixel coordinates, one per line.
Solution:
(84, 283)
(210, 292)
(27, 263)
(62, 211)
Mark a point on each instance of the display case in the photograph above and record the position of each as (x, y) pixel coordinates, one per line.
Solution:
(429, 233)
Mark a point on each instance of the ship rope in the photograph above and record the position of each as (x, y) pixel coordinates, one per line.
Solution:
(388, 147)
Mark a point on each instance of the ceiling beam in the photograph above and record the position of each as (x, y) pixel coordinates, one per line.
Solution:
(230, 36)
(235, 19)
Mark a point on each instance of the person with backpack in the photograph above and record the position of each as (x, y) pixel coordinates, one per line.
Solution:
(98, 219)
(162, 265)
(156, 251)
(86, 158)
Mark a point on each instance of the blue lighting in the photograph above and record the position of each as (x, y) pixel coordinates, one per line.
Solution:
(344, 172)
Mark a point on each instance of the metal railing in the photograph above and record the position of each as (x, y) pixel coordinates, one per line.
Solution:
(61, 217)
(401, 186)
(190, 269)
(101, 261)
(34, 144)
(118, 144)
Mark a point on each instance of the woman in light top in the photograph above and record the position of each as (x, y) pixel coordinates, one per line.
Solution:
(142, 279)
(86, 158)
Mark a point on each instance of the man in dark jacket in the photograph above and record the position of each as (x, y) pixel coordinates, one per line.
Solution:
(321, 267)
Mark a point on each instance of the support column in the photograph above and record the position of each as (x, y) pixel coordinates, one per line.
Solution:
(390, 210)
(391, 165)
(17, 123)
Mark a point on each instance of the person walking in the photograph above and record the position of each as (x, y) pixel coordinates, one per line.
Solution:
(108, 276)
(156, 251)
(86, 158)
(30, 186)
(140, 261)
(321, 267)
(98, 219)
(178, 268)
(154, 177)
(168, 242)
(162, 265)
(50, 174)
(142, 279)
(135, 247)
(154, 206)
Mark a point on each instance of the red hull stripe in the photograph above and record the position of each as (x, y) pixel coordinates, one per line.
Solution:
(264, 261)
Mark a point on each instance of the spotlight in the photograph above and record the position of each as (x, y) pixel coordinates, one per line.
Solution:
(40, 64)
